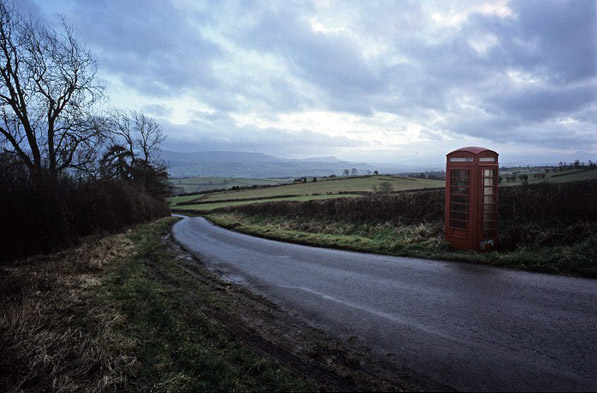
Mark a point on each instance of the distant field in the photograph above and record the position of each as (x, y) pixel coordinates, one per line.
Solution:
(321, 189)
(201, 184)
(206, 207)
(327, 187)
(576, 175)
(566, 176)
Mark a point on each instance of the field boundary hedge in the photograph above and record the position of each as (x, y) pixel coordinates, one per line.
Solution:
(566, 202)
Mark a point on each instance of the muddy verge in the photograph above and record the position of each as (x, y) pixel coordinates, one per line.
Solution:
(335, 363)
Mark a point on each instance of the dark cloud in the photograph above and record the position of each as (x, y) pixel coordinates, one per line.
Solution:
(528, 77)
(565, 32)
(156, 46)
(543, 103)
(331, 62)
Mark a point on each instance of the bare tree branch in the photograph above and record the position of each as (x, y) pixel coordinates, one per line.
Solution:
(47, 94)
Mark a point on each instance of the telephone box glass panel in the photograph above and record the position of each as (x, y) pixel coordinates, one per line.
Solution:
(489, 217)
(459, 198)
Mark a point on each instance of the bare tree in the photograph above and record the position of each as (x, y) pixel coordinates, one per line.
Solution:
(141, 135)
(132, 155)
(47, 92)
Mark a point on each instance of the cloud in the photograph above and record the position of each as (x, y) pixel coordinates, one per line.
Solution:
(251, 75)
(154, 46)
(221, 134)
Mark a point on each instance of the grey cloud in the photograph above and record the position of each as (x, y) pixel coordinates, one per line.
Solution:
(536, 104)
(330, 62)
(154, 46)
(159, 48)
(157, 110)
(566, 32)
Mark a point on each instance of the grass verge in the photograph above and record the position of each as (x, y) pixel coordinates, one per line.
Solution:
(55, 334)
(118, 314)
(539, 246)
(134, 312)
(180, 346)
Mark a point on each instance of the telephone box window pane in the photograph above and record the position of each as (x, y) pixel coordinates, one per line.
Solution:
(489, 191)
(459, 207)
(460, 198)
(460, 181)
(459, 190)
(458, 224)
(488, 199)
(489, 208)
(489, 173)
(459, 215)
(489, 181)
(459, 173)
(489, 217)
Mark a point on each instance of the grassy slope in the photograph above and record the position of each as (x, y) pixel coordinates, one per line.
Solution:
(552, 177)
(322, 189)
(575, 175)
(119, 314)
(331, 186)
(424, 240)
(206, 183)
(181, 348)
(206, 207)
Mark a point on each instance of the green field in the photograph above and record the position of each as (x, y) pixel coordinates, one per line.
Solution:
(548, 227)
(321, 189)
(202, 183)
(206, 207)
(553, 176)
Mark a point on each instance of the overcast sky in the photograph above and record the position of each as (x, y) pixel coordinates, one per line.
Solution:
(377, 81)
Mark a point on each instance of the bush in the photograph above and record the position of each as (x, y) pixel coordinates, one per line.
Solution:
(563, 202)
(52, 216)
(406, 207)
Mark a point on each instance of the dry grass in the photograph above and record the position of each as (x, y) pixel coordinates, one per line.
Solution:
(54, 334)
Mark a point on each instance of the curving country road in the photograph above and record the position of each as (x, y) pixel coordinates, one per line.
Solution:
(466, 326)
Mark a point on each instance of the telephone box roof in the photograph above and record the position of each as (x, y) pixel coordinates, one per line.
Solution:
(473, 149)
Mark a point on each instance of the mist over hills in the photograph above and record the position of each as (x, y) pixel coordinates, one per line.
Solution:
(256, 165)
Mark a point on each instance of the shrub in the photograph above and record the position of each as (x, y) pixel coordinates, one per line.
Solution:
(51, 216)
(563, 202)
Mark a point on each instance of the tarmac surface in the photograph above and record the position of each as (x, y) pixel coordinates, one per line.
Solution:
(467, 326)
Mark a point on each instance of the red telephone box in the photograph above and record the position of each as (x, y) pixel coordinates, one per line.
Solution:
(471, 198)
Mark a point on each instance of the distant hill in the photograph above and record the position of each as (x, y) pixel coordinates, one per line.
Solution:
(254, 165)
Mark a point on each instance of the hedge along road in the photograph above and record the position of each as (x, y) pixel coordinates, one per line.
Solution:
(466, 326)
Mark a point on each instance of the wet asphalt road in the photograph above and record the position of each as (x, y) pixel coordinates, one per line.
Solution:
(469, 327)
